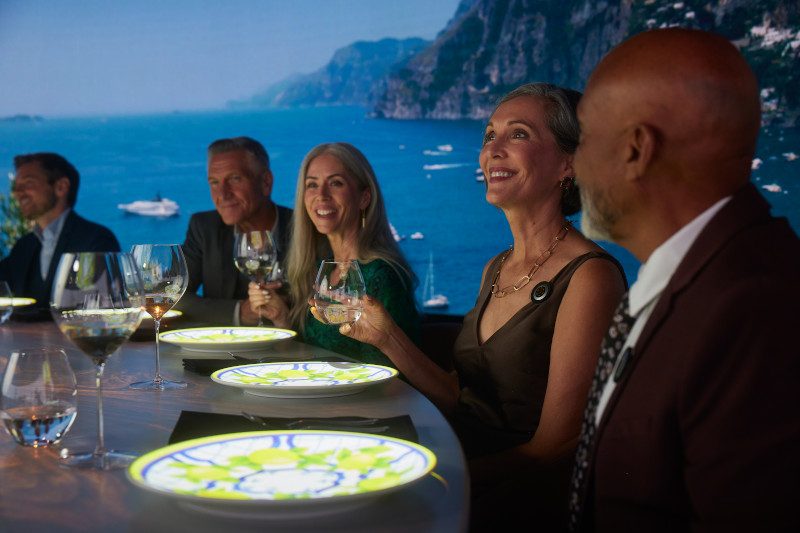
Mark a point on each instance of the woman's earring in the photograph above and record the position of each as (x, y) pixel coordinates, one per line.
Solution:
(567, 183)
(363, 218)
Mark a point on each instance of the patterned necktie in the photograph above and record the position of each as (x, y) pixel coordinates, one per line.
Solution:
(609, 353)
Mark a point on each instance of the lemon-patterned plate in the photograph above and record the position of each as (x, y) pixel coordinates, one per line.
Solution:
(283, 473)
(308, 379)
(234, 339)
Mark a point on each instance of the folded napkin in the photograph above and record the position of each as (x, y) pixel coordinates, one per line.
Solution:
(194, 424)
(206, 367)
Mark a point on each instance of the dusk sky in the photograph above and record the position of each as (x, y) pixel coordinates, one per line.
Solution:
(98, 57)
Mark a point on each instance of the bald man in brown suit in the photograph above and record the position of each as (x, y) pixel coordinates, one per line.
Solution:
(693, 417)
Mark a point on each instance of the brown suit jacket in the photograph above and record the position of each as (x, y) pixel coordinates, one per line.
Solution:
(702, 432)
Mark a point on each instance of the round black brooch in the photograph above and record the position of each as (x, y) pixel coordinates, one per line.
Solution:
(541, 291)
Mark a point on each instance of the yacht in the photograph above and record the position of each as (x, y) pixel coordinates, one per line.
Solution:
(157, 207)
(429, 297)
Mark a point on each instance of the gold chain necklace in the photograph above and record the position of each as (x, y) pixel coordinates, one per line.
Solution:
(524, 280)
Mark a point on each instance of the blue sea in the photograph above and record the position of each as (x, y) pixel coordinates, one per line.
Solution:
(427, 189)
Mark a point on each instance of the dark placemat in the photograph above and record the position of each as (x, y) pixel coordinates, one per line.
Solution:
(194, 424)
(206, 366)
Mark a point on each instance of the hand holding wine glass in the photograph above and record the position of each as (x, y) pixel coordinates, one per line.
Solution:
(97, 303)
(338, 292)
(164, 278)
(255, 255)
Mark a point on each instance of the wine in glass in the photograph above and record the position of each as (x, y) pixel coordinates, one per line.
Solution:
(38, 399)
(97, 303)
(338, 292)
(164, 277)
(255, 255)
(6, 302)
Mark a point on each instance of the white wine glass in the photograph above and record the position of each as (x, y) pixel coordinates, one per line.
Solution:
(38, 398)
(164, 277)
(6, 302)
(339, 291)
(255, 255)
(97, 303)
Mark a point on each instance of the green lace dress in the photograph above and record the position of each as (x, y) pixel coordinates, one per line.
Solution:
(385, 284)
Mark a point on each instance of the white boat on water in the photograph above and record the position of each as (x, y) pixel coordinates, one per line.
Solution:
(397, 237)
(417, 235)
(429, 297)
(157, 207)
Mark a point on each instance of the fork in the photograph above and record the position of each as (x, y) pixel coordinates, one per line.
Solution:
(354, 424)
(265, 359)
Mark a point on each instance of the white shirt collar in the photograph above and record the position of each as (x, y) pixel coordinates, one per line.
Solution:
(53, 230)
(656, 272)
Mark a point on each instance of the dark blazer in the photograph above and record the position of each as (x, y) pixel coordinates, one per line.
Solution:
(209, 257)
(702, 432)
(21, 268)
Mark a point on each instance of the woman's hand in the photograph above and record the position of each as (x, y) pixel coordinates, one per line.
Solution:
(374, 327)
(265, 301)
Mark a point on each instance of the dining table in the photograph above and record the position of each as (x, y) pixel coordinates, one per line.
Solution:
(37, 493)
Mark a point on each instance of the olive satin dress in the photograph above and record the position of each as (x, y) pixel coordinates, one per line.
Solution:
(504, 379)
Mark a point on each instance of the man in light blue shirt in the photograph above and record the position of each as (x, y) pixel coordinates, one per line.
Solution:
(46, 189)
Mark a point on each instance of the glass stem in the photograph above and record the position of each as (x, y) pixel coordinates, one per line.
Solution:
(260, 318)
(158, 379)
(100, 450)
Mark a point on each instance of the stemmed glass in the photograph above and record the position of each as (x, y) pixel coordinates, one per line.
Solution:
(338, 292)
(164, 277)
(38, 398)
(255, 255)
(6, 302)
(97, 304)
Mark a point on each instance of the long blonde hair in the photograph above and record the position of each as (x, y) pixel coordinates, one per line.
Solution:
(308, 246)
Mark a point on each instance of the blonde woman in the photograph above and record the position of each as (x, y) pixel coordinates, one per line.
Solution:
(340, 215)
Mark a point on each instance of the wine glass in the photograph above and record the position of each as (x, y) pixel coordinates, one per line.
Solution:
(6, 302)
(38, 399)
(164, 277)
(97, 304)
(338, 292)
(255, 255)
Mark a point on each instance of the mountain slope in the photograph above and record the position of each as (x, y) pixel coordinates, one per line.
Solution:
(356, 75)
(492, 46)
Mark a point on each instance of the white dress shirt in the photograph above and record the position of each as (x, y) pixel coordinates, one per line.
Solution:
(49, 238)
(654, 275)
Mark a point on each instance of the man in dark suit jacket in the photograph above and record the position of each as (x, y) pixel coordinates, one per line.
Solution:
(241, 185)
(692, 422)
(46, 189)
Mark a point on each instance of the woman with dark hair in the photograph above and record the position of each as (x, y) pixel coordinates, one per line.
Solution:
(526, 354)
(340, 215)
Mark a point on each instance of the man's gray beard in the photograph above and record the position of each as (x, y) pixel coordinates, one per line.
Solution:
(592, 223)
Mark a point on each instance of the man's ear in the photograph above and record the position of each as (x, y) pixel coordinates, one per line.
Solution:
(642, 144)
(61, 187)
(266, 183)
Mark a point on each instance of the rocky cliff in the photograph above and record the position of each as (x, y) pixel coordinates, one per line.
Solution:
(492, 46)
(356, 75)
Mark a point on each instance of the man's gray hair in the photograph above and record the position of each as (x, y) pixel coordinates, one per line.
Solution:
(259, 159)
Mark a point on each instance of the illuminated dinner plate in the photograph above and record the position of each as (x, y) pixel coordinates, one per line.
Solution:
(16, 301)
(307, 379)
(234, 339)
(172, 313)
(282, 474)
